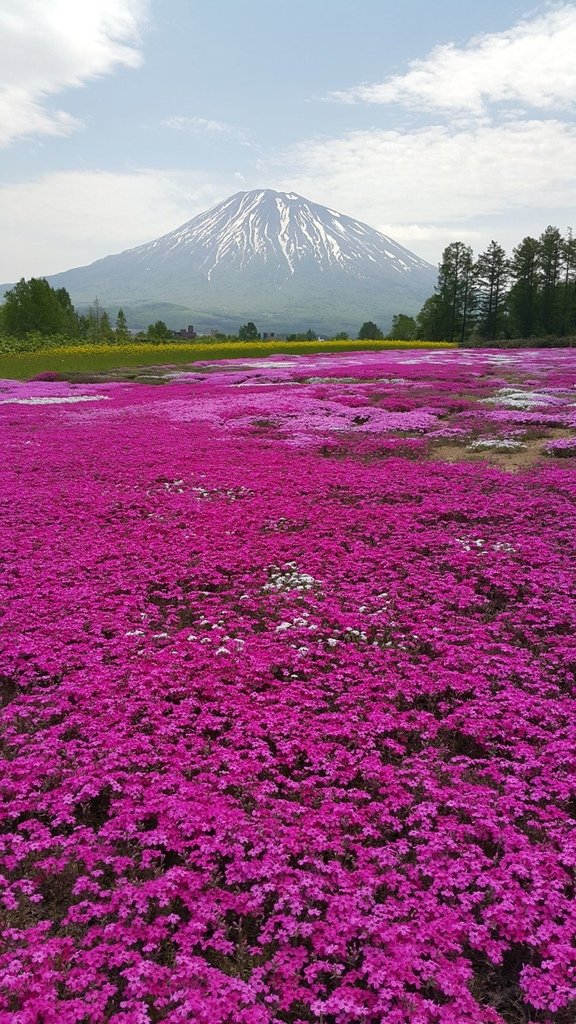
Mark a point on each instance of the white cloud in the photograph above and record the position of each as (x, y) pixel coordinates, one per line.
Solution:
(436, 173)
(531, 64)
(47, 46)
(68, 219)
(437, 181)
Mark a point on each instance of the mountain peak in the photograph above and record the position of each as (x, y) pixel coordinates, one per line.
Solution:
(287, 231)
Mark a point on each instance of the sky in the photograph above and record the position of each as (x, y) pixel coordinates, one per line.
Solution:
(431, 120)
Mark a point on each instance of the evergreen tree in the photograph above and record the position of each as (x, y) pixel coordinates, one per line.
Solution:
(568, 285)
(491, 274)
(106, 333)
(456, 291)
(93, 322)
(549, 261)
(524, 292)
(121, 325)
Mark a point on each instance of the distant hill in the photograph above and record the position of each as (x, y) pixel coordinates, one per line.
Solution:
(272, 257)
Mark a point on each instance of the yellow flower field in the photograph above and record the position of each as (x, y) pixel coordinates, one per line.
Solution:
(94, 358)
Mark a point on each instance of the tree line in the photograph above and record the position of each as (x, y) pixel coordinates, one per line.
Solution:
(34, 307)
(531, 294)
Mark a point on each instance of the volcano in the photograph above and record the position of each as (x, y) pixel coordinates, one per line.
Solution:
(275, 258)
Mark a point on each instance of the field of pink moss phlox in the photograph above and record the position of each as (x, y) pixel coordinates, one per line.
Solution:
(288, 727)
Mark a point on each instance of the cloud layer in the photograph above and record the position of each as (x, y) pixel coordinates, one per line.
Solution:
(435, 172)
(73, 218)
(532, 64)
(47, 46)
(492, 140)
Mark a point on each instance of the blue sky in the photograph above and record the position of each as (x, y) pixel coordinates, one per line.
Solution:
(121, 119)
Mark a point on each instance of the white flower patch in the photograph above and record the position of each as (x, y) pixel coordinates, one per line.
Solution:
(300, 622)
(479, 545)
(470, 544)
(60, 400)
(496, 443)
(289, 578)
(515, 398)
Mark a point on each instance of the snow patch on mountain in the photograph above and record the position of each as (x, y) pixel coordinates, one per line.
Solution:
(283, 229)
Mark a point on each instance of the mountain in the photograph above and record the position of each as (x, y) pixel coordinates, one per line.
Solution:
(272, 257)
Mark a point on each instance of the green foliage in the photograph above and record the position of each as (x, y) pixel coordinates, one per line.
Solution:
(369, 332)
(35, 307)
(492, 275)
(121, 325)
(158, 331)
(530, 296)
(456, 292)
(308, 335)
(249, 332)
(342, 336)
(522, 299)
(106, 331)
(429, 322)
(403, 327)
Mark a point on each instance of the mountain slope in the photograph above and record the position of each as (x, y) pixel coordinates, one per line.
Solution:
(275, 258)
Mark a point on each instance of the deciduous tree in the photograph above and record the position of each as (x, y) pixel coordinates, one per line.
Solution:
(403, 327)
(34, 305)
(248, 332)
(370, 331)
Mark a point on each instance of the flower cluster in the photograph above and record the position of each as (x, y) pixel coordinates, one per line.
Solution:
(562, 447)
(287, 722)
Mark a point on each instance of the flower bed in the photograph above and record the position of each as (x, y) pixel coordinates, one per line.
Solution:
(287, 723)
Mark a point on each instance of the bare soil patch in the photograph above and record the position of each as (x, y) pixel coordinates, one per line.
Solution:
(530, 455)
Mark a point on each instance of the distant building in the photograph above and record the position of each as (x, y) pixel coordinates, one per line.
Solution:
(267, 336)
(187, 333)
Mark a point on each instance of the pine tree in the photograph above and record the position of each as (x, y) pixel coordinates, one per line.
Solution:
(121, 325)
(524, 292)
(491, 274)
(456, 291)
(549, 261)
(105, 332)
(568, 286)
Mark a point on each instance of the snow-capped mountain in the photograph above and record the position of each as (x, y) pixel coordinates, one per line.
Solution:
(283, 231)
(271, 257)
